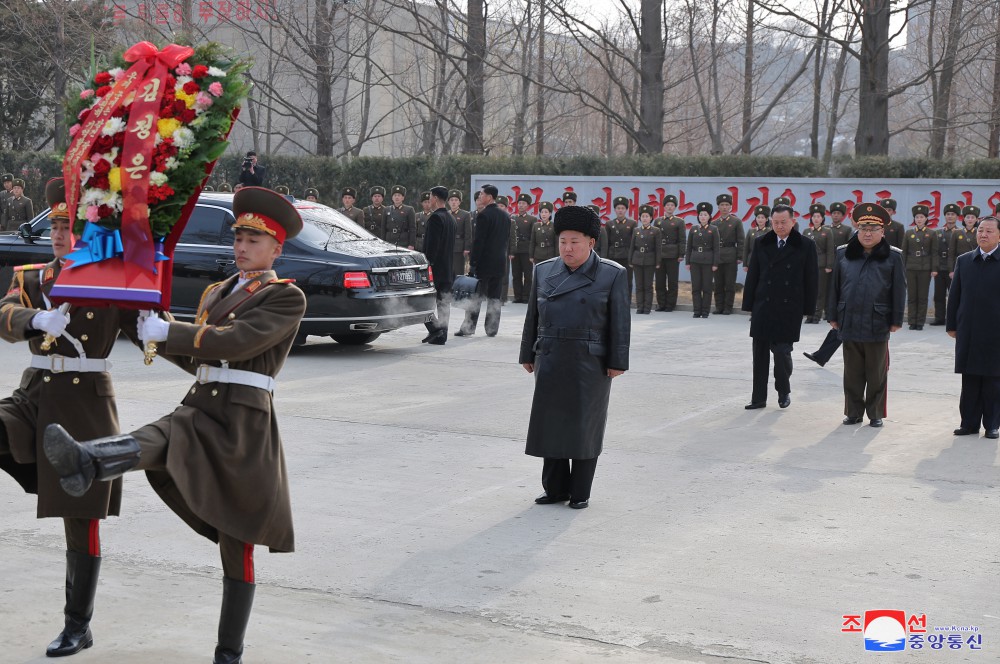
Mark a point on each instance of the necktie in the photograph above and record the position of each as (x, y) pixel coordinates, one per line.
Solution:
(781, 244)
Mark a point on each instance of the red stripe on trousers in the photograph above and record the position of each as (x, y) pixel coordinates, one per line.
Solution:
(248, 563)
(94, 537)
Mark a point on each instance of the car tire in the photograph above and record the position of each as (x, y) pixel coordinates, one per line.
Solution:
(356, 338)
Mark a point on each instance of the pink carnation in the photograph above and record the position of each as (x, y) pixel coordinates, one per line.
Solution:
(216, 89)
(86, 94)
(183, 69)
(75, 129)
(203, 100)
(92, 213)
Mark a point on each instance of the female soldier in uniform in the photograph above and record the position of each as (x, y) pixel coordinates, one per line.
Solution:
(542, 241)
(761, 224)
(702, 258)
(964, 239)
(644, 256)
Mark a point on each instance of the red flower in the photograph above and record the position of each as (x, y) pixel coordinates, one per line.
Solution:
(199, 71)
(170, 82)
(104, 144)
(103, 78)
(103, 211)
(158, 193)
(188, 115)
(118, 157)
(83, 115)
(166, 109)
(103, 90)
(191, 88)
(102, 166)
(121, 111)
(119, 141)
(179, 107)
(98, 182)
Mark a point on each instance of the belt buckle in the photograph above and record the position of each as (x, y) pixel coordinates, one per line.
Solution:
(202, 374)
(57, 361)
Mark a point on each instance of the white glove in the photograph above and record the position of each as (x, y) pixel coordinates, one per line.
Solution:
(153, 329)
(50, 322)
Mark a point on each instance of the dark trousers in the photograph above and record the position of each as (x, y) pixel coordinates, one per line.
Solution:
(458, 263)
(489, 287)
(628, 270)
(762, 351)
(439, 324)
(701, 287)
(505, 287)
(559, 479)
(667, 273)
(866, 378)
(942, 282)
(644, 286)
(521, 267)
(824, 279)
(980, 402)
(829, 346)
(725, 287)
(918, 285)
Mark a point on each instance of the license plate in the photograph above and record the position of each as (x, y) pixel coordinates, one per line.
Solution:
(403, 277)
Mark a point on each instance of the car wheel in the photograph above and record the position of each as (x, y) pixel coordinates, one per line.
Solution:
(356, 338)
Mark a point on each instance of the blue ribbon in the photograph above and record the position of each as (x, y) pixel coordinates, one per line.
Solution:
(96, 244)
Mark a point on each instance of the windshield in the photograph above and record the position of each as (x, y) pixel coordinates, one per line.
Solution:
(321, 221)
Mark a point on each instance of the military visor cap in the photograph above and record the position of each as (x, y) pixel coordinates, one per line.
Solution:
(569, 196)
(724, 198)
(870, 214)
(265, 211)
(670, 198)
(966, 211)
(18, 182)
(526, 198)
(762, 210)
(55, 196)
(952, 207)
(838, 207)
(455, 193)
(425, 196)
(705, 207)
(783, 200)
(379, 191)
(398, 189)
(646, 209)
(921, 209)
(888, 203)
(621, 200)
(817, 208)
(545, 206)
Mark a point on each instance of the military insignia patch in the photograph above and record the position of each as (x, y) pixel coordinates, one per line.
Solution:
(49, 274)
(252, 286)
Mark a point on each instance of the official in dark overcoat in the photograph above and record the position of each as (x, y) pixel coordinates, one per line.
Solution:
(973, 321)
(439, 248)
(780, 289)
(488, 262)
(575, 340)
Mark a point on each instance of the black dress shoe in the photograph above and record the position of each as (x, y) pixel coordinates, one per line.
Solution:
(812, 321)
(937, 322)
(876, 423)
(962, 431)
(546, 499)
(661, 308)
(668, 309)
(438, 339)
(812, 357)
(696, 315)
(919, 327)
(853, 420)
(428, 338)
(727, 312)
(463, 333)
(491, 334)
(579, 504)
(784, 400)
(992, 433)
(754, 405)
(912, 327)
(704, 315)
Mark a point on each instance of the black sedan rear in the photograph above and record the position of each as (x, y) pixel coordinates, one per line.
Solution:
(356, 286)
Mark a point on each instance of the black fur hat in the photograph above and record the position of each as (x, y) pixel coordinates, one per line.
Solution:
(577, 218)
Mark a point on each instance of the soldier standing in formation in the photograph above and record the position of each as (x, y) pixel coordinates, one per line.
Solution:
(400, 220)
(601, 246)
(730, 230)
(19, 208)
(672, 230)
(568, 198)
(761, 224)
(542, 241)
(826, 248)
(463, 231)
(895, 231)
(420, 221)
(919, 258)
(620, 231)
(841, 232)
(312, 195)
(702, 257)
(347, 198)
(376, 213)
(942, 282)
(521, 225)
(226, 188)
(504, 204)
(5, 195)
(645, 253)
(964, 239)
(283, 190)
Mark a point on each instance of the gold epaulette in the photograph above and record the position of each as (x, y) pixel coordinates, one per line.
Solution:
(281, 281)
(31, 266)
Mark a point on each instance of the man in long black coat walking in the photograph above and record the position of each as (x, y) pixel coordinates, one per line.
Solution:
(488, 263)
(439, 246)
(780, 289)
(973, 321)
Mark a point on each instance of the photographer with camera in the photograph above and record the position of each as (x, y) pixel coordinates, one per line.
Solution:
(252, 174)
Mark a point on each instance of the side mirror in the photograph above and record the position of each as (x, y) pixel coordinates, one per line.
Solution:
(24, 230)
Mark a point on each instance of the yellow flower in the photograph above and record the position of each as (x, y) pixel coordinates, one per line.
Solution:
(115, 179)
(167, 126)
(185, 97)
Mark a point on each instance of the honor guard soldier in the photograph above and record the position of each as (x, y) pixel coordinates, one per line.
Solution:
(702, 257)
(348, 197)
(601, 246)
(68, 382)
(542, 241)
(5, 195)
(312, 195)
(672, 231)
(841, 232)
(569, 198)
(19, 208)
(420, 221)
(521, 225)
(217, 459)
(730, 254)
(895, 231)
(401, 220)
(761, 224)
(920, 258)
(826, 249)
(463, 231)
(208, 188)
(942, 282)
(283, 190)
(964, 239)
(620, 231)
(376, 213)
(226, 188)
(645, 253)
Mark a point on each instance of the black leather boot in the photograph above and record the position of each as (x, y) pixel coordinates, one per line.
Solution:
(81, 588)
(79, 464)
(237, 602)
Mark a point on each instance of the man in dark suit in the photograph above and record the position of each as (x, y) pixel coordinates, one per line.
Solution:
(973, 320)
(780, 289)
(488, 262)
(439, 247)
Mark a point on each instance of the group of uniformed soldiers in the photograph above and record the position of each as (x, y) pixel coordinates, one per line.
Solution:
(15, 207)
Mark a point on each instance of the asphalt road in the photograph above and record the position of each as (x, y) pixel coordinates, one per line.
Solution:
(714, 534)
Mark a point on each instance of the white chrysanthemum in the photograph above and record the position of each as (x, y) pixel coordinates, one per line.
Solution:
(92, 197)
(183, 138)
(216, 72)
(156, 178)
(157, 139)
(181, 80)
(87, 171)
(113, 200)
(171, 163)
(113, 126)
(116, 72)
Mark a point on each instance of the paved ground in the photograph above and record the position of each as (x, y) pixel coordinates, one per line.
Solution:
(714, 534)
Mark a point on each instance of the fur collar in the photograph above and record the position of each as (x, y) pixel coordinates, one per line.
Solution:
(854, 251)
(794, 238)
